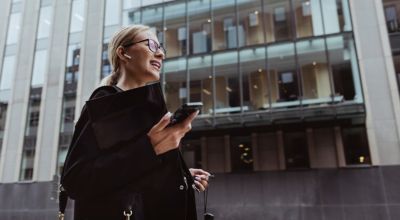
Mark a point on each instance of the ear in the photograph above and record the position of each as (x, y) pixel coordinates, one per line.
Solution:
(120, 53)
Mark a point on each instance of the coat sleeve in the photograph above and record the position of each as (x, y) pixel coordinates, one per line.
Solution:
(89, 171)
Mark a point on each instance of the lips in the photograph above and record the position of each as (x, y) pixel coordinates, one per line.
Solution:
(156, 64)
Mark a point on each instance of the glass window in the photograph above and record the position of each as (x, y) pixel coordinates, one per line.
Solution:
(153, 17)
(255, 79)
(27, 161)
(308, 18)
(201, 89)
(77, 16)
(199, 26)
(343, 11)
(277, 20)
(225, 26)
(344, 65)
(175, 83)
(284, 88)
(44, 22)
(296, 150)
(314, 71)
(355, 143)
(14, 27)
(7, 72)
(227, 93)
(175, 29)
(112, 12)
(39, 68)
(241, 153)
(251, 21)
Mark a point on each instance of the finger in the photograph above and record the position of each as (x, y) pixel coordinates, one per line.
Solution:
(162, 123)
(199, 185)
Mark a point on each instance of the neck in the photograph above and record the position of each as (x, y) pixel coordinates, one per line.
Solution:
(126, 81)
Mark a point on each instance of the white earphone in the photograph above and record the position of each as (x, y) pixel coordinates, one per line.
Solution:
(127, 56)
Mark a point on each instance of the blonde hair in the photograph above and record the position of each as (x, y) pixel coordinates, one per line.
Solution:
(120, 38)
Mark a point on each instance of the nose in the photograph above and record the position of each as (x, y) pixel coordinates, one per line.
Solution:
(160, 53)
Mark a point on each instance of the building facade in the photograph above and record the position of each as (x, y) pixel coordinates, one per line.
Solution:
(301, 99)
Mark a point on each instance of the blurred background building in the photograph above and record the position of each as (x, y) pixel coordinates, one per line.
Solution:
(301, 116)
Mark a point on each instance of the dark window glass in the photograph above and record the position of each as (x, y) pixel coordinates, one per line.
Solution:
(296, 150)
(344, 67)
(241, 153)
(355, 145)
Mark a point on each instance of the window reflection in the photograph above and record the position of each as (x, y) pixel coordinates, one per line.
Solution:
(175, 30)
(250, 18)
(282, 75)
(199, 26)
(255, 79)
(77, 16)
(7, 72)
(314, 70)
(308, 18)
(14, 27)
(227, 83)
(277, 23)
(225, 26)
(44, 22)
(175, 83)
(201, 89)
(112, 12)
(152, 16)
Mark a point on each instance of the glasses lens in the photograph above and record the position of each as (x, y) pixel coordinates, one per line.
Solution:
(153, 46)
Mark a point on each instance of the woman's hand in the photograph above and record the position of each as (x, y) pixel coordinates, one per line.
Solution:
(200, 178)
(165, 138)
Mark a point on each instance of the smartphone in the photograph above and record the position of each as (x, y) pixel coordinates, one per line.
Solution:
(184, 111)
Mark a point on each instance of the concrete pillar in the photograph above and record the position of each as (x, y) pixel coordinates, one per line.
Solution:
(204, 155)
(91, 53)
(311, 147)
(254, 145)
(227, 142)
(52, 95)
(381, 95)
(341, 157)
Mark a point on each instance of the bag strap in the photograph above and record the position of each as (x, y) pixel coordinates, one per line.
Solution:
(62, 193)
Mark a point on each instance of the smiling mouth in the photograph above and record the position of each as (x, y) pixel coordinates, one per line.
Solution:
(156, 64)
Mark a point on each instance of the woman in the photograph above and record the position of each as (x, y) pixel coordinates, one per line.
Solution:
(145, 178)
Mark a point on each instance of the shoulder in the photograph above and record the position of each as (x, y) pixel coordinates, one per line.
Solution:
(103, 91)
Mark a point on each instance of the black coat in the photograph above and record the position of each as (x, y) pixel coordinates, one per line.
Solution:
(108, 171)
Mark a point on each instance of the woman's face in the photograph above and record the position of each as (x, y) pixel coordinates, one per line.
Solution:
(144, 64)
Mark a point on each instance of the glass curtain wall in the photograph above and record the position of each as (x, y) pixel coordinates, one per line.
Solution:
(8, 65)
(37, 81)
(284, 58)
(70, 81)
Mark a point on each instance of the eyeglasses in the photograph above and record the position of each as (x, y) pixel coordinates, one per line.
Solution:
(152, 44)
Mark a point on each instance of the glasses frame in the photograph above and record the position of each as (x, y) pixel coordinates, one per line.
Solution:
(158, 46)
